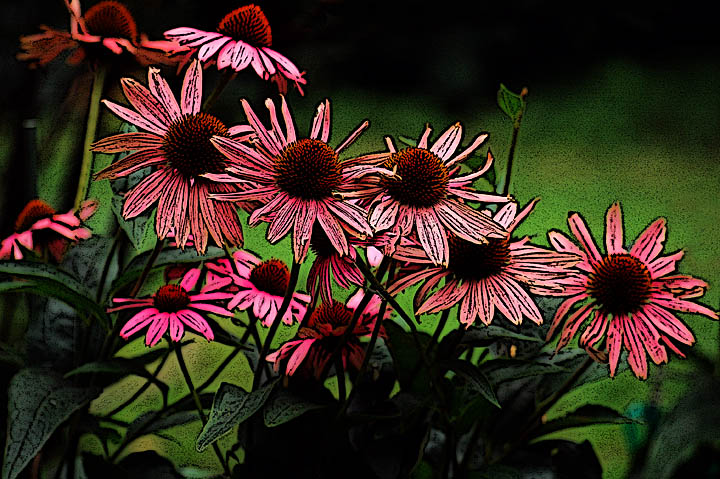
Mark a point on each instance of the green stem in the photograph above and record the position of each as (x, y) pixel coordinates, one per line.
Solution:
(294, 273)
(513, 144)
(90, 129)
(439, 329)
(198, 403)
(227, 76)
(106, 266)
(340, 375)
(142, 388)
(366, 358)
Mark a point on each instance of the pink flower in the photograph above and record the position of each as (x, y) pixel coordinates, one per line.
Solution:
(177, 142)
(427, 196)
(320, 336)
(243, 38)
(106, 30)
(626, 297)
(257, 284)
(298, 181)
(172, 306)
(39, 228)
(483, 277)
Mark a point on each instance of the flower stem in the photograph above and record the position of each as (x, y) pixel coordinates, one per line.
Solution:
(198, 403)
(142, 388)
(513, 143)
(383, 293)
(439, 328)
(90, 129)
(294, 273)
(340, 375)
(227, 76)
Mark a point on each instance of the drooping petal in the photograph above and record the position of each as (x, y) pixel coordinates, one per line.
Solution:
(127, 142)
(636, 352)
(298, 355)
(432, 236)
(132, 163)
(196, 322)
(157, 329)
(176, 327)
(138, 322)
(134, 118)
(614, 344)
(448, 142)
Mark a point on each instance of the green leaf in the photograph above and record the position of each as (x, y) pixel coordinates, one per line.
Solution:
(588, 415)
(121, 367)
(501, 370)
(412, 375)
(232, 406)
(475, 378)
(286, 406)
(48, 280)
(510, 103)
(38, 402)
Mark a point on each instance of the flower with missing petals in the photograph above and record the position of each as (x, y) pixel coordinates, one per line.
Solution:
(489, 276)
(626, 298)
(173, 308)
(298, 181)
(426, 195)
(243, 38)
(176, 141)
(106, 30)
(256, 284)
(39, 228)
(309, 355)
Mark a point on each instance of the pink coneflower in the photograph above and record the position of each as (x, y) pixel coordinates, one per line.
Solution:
(176, 141)
(319, 338)
(243, 38)
(298, 181)
(172, 306)
(482, 277)
(426, 195)
(329, 265)
(627, 297)
(39, 228)
(257, 284)
(107, 29)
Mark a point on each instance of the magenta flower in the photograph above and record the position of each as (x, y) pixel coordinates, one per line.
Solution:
(172, 307)
(309, 355)
(177, 142)
(243, 38)
(39, 228)
(106, 29)
(627, 297)
(427, 196)
(257, 284)
(483, 277)
(298, 181)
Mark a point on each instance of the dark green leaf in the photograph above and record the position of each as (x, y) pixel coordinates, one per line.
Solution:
(510, 103)
(588, 415)
(411, 372)
(232, 405)
(474, 377)
(501, 370)
(286, 406)
(38, 402)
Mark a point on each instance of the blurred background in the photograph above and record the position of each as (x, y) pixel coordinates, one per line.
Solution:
(624, 105)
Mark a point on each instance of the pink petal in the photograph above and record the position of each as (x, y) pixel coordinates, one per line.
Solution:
(138, 322)
(242, 56)
(210, 48)
(354, 135)
(176, 328)
(406, 281)
(191, 95)
(470, 305)
(224, 58)
(267, 140)
(284, 219)
(614, 230)
(196, 322)
(145, 103)
(145, 193)
(161, 90)
(286, 64)
(298, 355)
(384, 214)
(132, 163)
(636, 356)
(561, 312)
(614, 343)
(127, 141)
(167, 203)
(448, 142)
(594, 331)
(479, 140)
(650, 337)
(190, 279)
(210, 308)
(486, 311)
(665, 264)
(520, 298)
(448, 296)
(468, 223)
(332, 229)
(668, 323)
(190, 37)
(302, 231)
(650, 242)
(432, 236)
(351, 215)
(157, 329)
(134, 118)
(506, 214)
(668, 301)
(289, 124)
(580, 230)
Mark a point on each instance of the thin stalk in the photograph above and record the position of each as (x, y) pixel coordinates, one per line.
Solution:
(439, 329)
(513, 144)
(225, 78)
(142, 388)
(294, 273)
(340, 375)
(198, 404)
(106, 266)
(90, 129)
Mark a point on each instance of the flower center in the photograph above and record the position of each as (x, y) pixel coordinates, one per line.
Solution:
(334, 314)
(248, 24)
(110, 19)
(271, 276)
(34, 211)
(171, 298)
(320, 243)
(472, 261)
(423, 177)
(308, 169)
(187, 145)
(621, 284)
